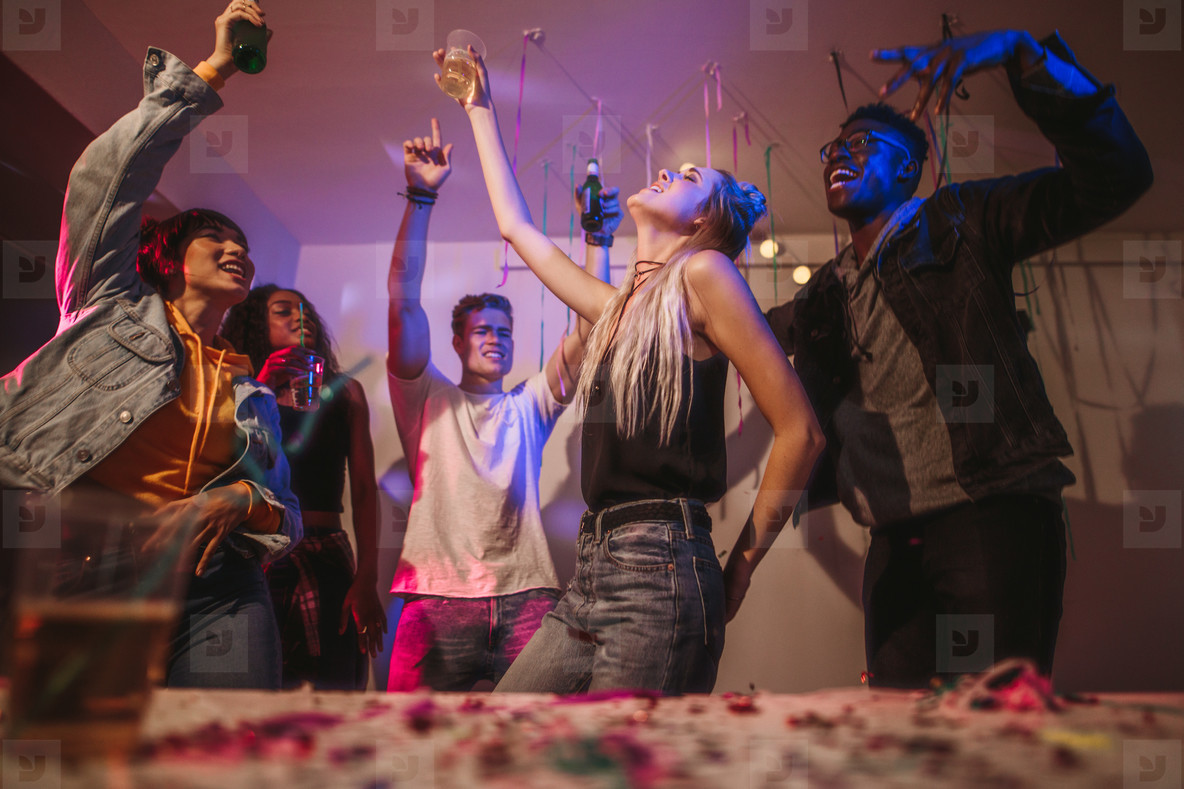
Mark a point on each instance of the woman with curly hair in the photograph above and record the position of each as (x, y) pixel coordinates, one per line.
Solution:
(329, 613)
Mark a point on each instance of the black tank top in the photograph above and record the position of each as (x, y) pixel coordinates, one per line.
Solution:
(317, 445)
(694, 464)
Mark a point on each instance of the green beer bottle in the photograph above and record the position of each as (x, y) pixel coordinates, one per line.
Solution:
(250, 47)
(592, 215)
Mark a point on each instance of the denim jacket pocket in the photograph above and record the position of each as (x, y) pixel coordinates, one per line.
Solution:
(643, 546)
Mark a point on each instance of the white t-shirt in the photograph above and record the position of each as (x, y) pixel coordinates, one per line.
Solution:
(474, 529)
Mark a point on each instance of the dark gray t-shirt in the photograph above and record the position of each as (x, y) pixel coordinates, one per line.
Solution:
(894, 459)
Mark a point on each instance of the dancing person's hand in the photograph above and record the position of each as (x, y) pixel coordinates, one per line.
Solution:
(222, 58)
(610, 207)
(363, 605)
(479, 97)
(737, 578)
(281, 366)
(939, 67)
(426, 164)
(216, 512)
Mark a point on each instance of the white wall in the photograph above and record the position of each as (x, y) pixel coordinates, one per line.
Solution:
(1110, 360)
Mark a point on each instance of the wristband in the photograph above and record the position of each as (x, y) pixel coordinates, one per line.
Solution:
(599, 239)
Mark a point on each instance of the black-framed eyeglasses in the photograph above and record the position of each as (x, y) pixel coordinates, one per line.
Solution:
(857, 142)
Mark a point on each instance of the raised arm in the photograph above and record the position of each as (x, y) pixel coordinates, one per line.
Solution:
(576, 288)
(725, 312)
(119, 170)
(1104, 167)
(563, 369)
(427, 166)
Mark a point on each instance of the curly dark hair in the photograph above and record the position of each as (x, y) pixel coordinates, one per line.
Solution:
(247, 328)
(888, 115)
(161, 256)
(471, 303)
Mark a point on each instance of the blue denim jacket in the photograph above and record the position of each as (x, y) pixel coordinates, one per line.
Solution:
(947, 276)
(115, 359)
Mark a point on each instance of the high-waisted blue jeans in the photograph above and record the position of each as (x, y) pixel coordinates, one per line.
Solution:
(645, 610)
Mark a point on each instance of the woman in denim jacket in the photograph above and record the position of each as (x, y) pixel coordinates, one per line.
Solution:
(134, 348)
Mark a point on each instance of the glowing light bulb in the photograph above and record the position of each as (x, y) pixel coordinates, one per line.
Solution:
(801, 274)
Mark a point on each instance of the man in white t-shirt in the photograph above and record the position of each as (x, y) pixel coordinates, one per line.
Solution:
(474, 572)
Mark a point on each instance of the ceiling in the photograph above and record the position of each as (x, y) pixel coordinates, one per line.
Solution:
(325, 120)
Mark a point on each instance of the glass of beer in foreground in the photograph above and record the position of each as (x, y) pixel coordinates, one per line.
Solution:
(460, 71)
(97, 595)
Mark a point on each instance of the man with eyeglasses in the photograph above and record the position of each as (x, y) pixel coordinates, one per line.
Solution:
(941, 438)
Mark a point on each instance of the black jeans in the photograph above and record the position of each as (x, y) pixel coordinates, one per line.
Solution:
(227, 636)
(955, 591)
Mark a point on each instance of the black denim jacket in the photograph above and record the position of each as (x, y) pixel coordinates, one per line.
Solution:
(946, 275)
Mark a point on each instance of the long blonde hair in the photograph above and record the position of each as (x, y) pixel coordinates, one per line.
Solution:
(647, 380)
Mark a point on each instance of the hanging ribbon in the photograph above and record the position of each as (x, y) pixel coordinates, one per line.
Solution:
(596, 135)
(834, 58)
(947, 32)
(710, 69)
(571, 222)
(736, 121)
(769, 198)
(649, 152)
(526, 37)
(939, 153)
(543, 288)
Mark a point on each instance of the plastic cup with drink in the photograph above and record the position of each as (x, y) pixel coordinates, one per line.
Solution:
(94, 607)
(306, 386)
(460, 70)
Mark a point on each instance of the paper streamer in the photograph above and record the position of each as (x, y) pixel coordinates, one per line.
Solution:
(769, 199)
(649, 152)
(834, 58)
(596, 135)
(514, 161)
(939, 153)
(571, 222)
(736, 121)
(542, 287)
(710, 69)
